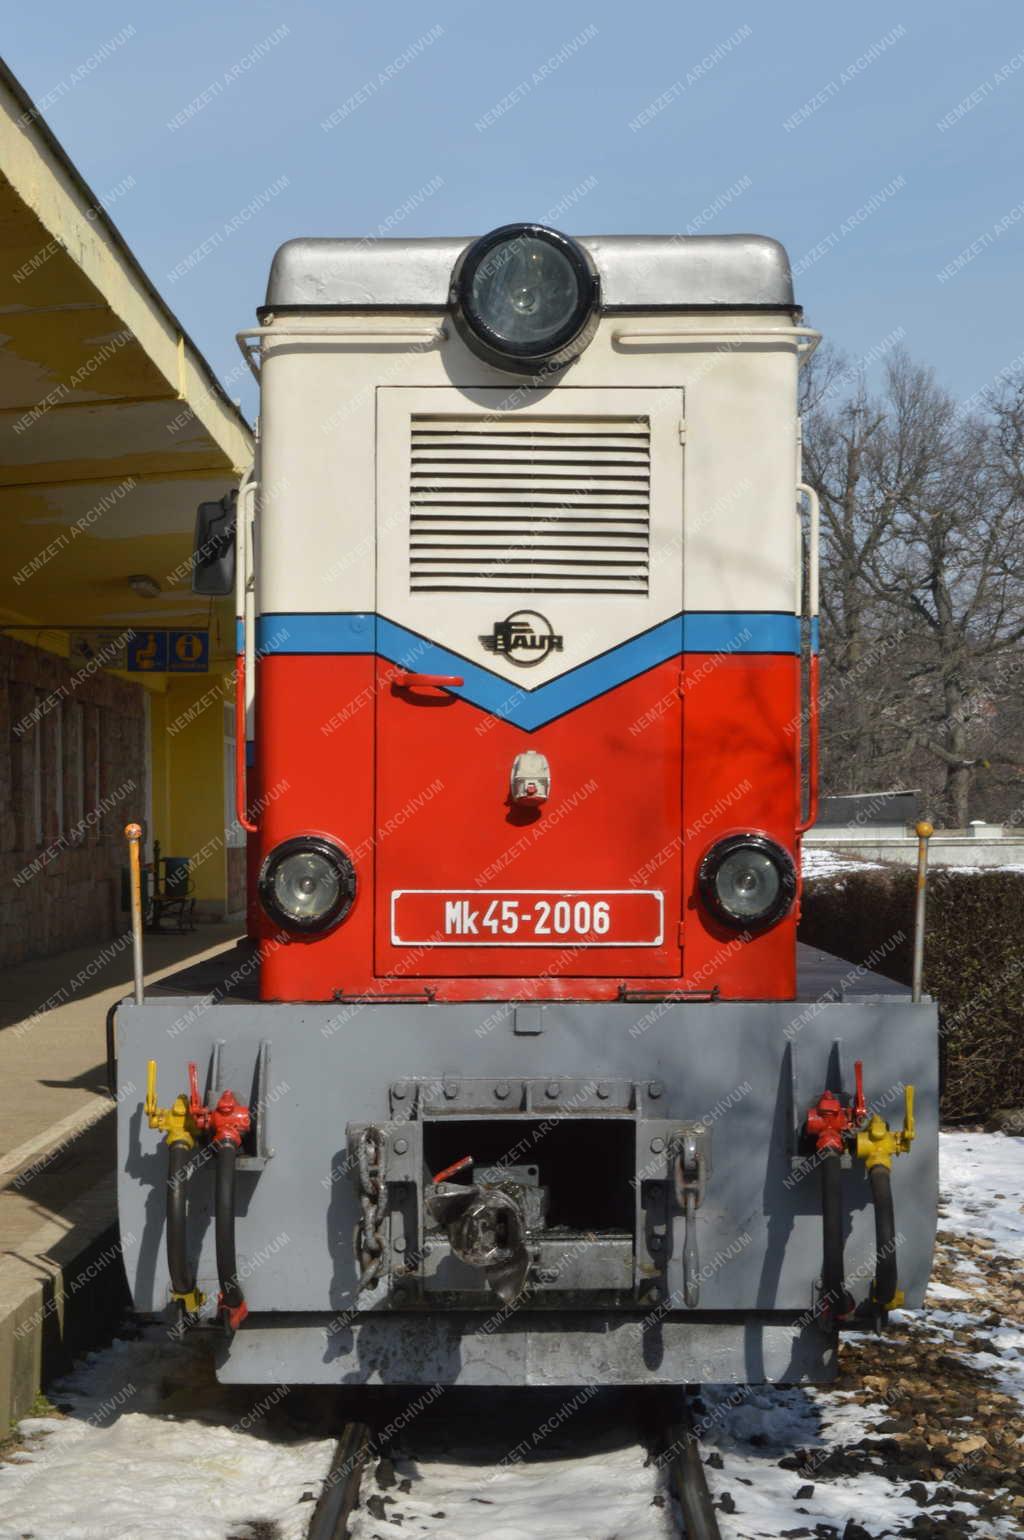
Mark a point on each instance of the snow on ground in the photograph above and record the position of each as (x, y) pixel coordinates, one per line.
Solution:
(151, 1445)
(924, 1425)
(924, 1435)
(607, 1494)
(818, 861)
(982, 1188)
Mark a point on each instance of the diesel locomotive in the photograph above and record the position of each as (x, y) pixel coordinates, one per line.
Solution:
(532, 1092)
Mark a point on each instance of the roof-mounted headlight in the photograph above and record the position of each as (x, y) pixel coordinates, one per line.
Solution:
(525, 298)
(747, 881)
(307, 884)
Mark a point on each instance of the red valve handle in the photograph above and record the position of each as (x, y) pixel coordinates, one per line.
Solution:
(439, 681)
(230, 1119)
(456, 1165)
(859, 1108)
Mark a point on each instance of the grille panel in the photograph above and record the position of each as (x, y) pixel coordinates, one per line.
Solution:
(538, 505)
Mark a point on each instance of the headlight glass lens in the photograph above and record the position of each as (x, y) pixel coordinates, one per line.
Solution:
(525, 291)
(747, 880)
(747, 883)
(307, 884)
(524, 297)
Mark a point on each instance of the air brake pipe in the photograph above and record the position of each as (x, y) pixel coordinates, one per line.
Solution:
(835, 1299)
(177, 1124)
(877, 1145)
(183, 1281)
(232, 1301)
(830, 1123)
(885, 1294)
(226, 1123)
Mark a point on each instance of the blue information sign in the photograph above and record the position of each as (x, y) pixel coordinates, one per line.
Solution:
(147, 652)
(173, 652)
(188, 652)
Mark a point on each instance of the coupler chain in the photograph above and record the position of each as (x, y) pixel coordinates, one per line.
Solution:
(373, 1198)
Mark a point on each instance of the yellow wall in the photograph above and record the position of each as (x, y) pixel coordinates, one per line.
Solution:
(187, 731)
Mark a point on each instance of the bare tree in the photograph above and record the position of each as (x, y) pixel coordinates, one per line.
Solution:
(923, 593)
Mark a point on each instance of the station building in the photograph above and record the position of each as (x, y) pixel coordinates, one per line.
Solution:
(115, 679)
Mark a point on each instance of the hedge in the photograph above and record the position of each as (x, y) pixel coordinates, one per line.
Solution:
(973, 965)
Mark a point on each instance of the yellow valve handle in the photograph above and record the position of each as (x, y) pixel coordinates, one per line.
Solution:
(192, 1300)
(878, 1143)
(149, 1105)
(175, 1121)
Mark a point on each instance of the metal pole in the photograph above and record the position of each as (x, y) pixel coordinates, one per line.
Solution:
(133, 834)
(924, 833)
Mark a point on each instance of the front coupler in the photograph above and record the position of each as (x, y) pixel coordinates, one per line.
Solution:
(477, 1189)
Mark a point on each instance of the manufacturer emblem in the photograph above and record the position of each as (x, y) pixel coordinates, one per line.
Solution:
(525, 638)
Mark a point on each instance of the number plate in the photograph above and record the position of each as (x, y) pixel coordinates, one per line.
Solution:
(527, 917)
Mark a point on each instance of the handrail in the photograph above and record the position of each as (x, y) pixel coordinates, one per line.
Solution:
(399, 336)
(806, 337)
(246, 656)
(814, 664)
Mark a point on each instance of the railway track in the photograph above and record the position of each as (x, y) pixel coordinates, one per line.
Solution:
(340, 1493)
(689, 1481)
(354, 1498)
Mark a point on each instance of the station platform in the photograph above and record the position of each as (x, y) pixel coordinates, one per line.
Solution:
(60, 1273)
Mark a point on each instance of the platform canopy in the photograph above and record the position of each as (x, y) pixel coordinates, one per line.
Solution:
(113, 426)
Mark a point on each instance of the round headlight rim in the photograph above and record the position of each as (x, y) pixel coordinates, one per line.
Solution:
(333, 852)
(712, 861)
(565, 345)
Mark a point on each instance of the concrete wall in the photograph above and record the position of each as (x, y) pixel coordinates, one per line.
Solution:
(72, 774)
(987, 845)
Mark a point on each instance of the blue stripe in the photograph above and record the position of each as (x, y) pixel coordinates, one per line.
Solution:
(526, 707)
(725, 631)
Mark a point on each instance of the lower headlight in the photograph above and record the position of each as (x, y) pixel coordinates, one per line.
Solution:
(747, 880)
(307, 884)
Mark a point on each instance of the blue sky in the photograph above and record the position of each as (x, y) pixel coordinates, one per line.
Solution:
(881, 143)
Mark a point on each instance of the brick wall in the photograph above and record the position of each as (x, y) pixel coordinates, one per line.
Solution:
(72, 747)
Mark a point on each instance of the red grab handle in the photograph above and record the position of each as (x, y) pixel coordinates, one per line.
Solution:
(813, 744)
(437, 681)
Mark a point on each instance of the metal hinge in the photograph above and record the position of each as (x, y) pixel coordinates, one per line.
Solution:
(680, 932)
(682, 430)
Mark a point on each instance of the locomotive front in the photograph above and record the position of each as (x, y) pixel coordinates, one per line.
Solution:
(524, 653)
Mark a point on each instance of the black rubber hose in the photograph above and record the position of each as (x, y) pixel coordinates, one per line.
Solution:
(178, 1156)
(231, 1295)
(836, 1301)
(886, 1272)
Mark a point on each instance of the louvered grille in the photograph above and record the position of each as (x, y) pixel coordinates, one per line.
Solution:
(545, 505)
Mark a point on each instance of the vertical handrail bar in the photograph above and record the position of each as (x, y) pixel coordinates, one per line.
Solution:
(813, 667)
(245, 659)
(924, 833)
(133, 834)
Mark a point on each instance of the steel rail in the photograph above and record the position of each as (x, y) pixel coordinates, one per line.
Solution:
(341, 1484)
(689, 1481)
